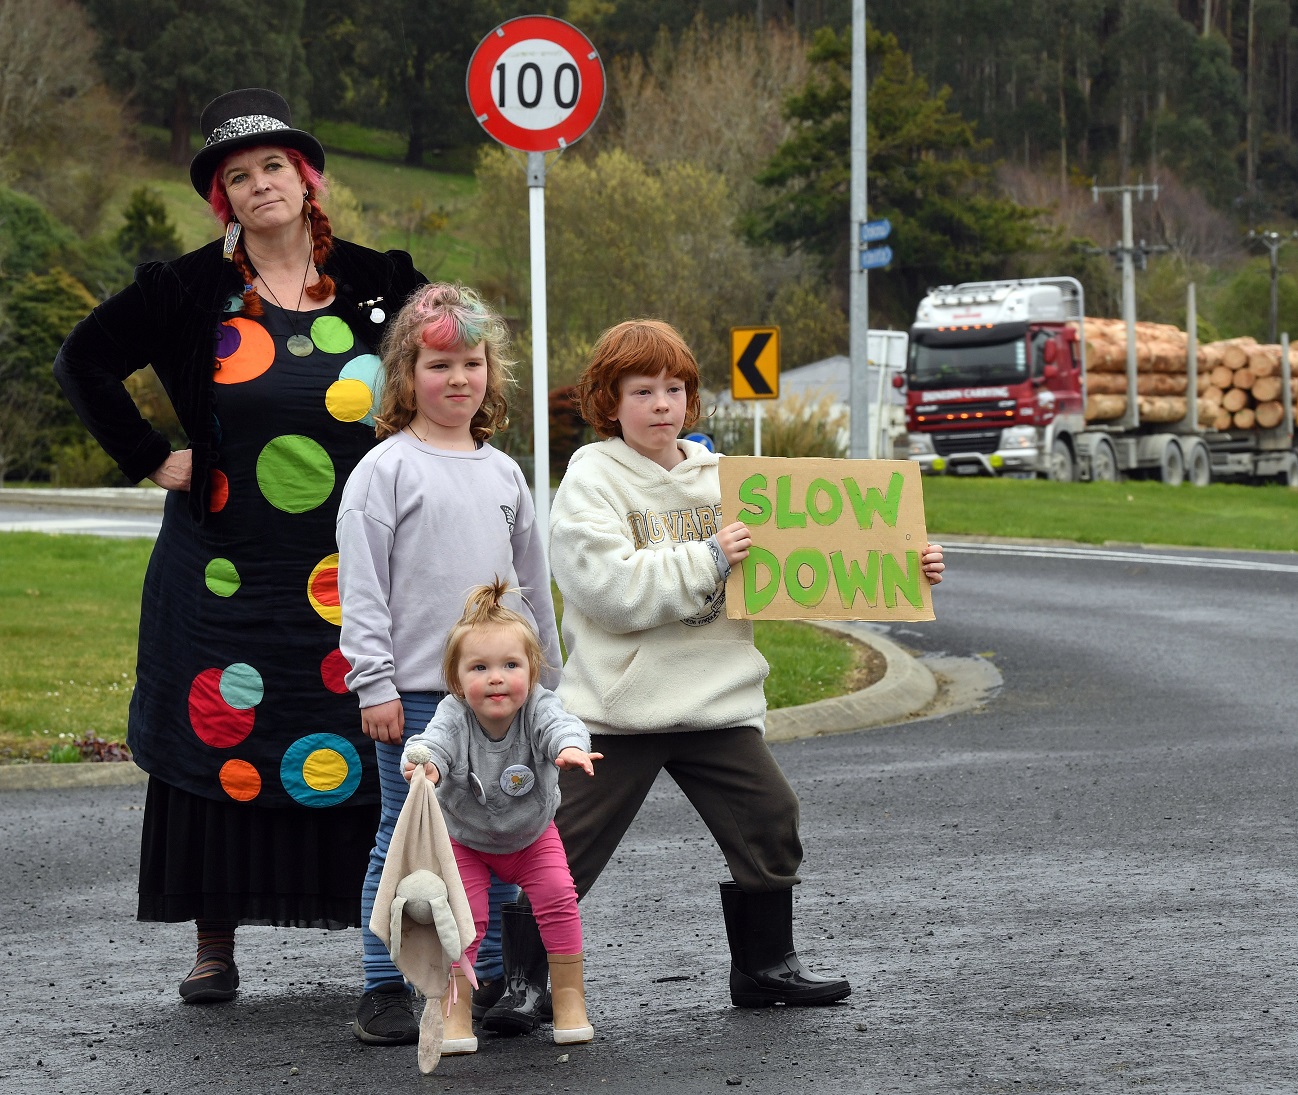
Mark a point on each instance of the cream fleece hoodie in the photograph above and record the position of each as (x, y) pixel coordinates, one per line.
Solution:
(650, 649)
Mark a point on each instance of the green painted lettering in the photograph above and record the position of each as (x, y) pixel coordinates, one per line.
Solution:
(824, 514)
(875, 501)
(750, 495)
(811, 593)
(851, 583)
(756, 595)
(907, 584)
(785, 515)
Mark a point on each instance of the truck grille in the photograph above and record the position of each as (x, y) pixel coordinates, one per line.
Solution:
(986, 441)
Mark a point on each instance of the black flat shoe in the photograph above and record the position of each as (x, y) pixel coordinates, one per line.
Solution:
(212, 988)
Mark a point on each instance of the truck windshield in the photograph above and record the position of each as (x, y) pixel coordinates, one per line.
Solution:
(988, 363)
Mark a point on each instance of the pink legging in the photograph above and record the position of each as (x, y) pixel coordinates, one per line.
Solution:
(542, 870)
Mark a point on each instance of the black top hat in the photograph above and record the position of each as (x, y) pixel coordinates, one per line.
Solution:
(247, 118)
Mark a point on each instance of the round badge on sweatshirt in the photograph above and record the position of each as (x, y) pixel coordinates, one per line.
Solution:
(517, 780)
(479, 792)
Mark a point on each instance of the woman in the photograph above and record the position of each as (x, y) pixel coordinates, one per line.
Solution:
(262, 799)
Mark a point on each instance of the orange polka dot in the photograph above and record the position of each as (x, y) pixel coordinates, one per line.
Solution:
(252, 356)
(240, 780)
(322, 589)
(219, 492)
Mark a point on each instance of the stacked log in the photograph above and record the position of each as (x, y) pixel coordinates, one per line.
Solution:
(1238, 381)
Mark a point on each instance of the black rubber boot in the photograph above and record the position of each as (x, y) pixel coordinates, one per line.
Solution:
(526, 1001)
(764, 967)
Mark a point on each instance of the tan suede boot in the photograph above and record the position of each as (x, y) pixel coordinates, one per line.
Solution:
(457, 1034)
(569, 998)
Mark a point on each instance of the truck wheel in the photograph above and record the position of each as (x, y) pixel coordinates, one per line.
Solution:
(1288, 475)
(1104, 462)
(1171, 467)
(1062, 467)
(1198, 465)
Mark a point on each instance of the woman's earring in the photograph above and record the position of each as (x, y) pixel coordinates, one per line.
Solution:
(232, 231)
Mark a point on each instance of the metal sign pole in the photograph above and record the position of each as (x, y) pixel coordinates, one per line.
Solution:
(540, 350)
(859, 278)
(757, 427)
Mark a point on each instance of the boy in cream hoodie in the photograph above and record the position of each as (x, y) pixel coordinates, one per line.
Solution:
(657, 672)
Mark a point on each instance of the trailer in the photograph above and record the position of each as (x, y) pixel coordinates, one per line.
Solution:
(996, 385)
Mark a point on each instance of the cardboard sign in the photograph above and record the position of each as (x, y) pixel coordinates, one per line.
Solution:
(832, 539)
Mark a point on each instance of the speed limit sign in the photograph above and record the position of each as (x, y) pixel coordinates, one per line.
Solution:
(536, 83)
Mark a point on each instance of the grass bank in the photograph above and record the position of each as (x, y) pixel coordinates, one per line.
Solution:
(1221, 515)
(69, 613)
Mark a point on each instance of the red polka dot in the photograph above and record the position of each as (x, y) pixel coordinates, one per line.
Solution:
(215, 721)
(219, 492)
(324, 587)
(333, 670)
(240, 780)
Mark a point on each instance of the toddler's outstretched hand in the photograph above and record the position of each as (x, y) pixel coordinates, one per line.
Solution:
(931, 562)
(430, 770)
(572, 757)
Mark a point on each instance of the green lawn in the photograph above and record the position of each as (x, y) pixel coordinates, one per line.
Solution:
(1222, 515)
(69, 608)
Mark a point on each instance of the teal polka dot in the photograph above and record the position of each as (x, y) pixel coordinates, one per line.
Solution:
(368, 369)
(295, 473)
(241, 686)
(221, 577)
(332, 335)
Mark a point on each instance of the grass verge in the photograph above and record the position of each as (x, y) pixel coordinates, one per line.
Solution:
(1222, 515)
(69, 614)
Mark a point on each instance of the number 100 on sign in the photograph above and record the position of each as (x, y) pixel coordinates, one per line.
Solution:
(535, 84)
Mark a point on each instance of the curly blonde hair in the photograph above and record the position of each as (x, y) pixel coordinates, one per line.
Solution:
(485, 607)
(443, 316)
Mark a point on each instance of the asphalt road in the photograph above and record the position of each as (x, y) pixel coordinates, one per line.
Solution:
(1084, 885)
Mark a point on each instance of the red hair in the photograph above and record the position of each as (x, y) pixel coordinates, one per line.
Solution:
(639, 347)
(322, 239)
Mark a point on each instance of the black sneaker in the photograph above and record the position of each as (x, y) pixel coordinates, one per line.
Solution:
(386, 1017)
(486, 996)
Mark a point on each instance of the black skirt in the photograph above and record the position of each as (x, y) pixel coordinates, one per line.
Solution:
(201, 858)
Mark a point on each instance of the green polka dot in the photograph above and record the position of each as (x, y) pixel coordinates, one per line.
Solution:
(241, 686)
(332, 335)
(295, 473)
(221, 577)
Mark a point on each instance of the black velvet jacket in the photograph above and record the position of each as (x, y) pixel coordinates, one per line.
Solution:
(168, 318)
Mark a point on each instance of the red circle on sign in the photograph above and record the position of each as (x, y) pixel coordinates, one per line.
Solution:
(486, 85)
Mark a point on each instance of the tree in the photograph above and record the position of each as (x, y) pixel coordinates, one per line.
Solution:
(949, 224)
(171, 57)
(60, 130)
(38, 313)
(148, 234)
(624, 239)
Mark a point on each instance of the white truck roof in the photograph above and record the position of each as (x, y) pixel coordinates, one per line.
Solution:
(1037, 300)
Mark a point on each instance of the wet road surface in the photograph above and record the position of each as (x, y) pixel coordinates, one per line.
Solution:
(1087, 884)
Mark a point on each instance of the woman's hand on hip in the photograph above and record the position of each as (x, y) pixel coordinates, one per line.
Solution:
(175, 472)
(384, 721)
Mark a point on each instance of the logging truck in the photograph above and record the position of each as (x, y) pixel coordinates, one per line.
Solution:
(1012, 378)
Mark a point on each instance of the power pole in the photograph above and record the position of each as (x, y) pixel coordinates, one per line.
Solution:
(1273, 241)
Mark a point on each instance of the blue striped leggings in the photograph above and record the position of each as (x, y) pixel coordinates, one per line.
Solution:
(379, 968)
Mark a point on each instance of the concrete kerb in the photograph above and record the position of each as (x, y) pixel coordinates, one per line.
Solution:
(136, 499)
(906, 687)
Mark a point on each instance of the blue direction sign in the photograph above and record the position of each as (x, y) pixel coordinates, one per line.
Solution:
(876, 257)
(874, 231)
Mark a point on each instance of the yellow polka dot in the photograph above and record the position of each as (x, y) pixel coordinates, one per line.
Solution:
(324, 770)
(349, 400)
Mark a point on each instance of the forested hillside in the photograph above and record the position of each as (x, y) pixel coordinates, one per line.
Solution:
(713, 190)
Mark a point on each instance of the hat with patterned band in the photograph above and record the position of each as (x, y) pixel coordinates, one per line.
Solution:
(247, 118)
